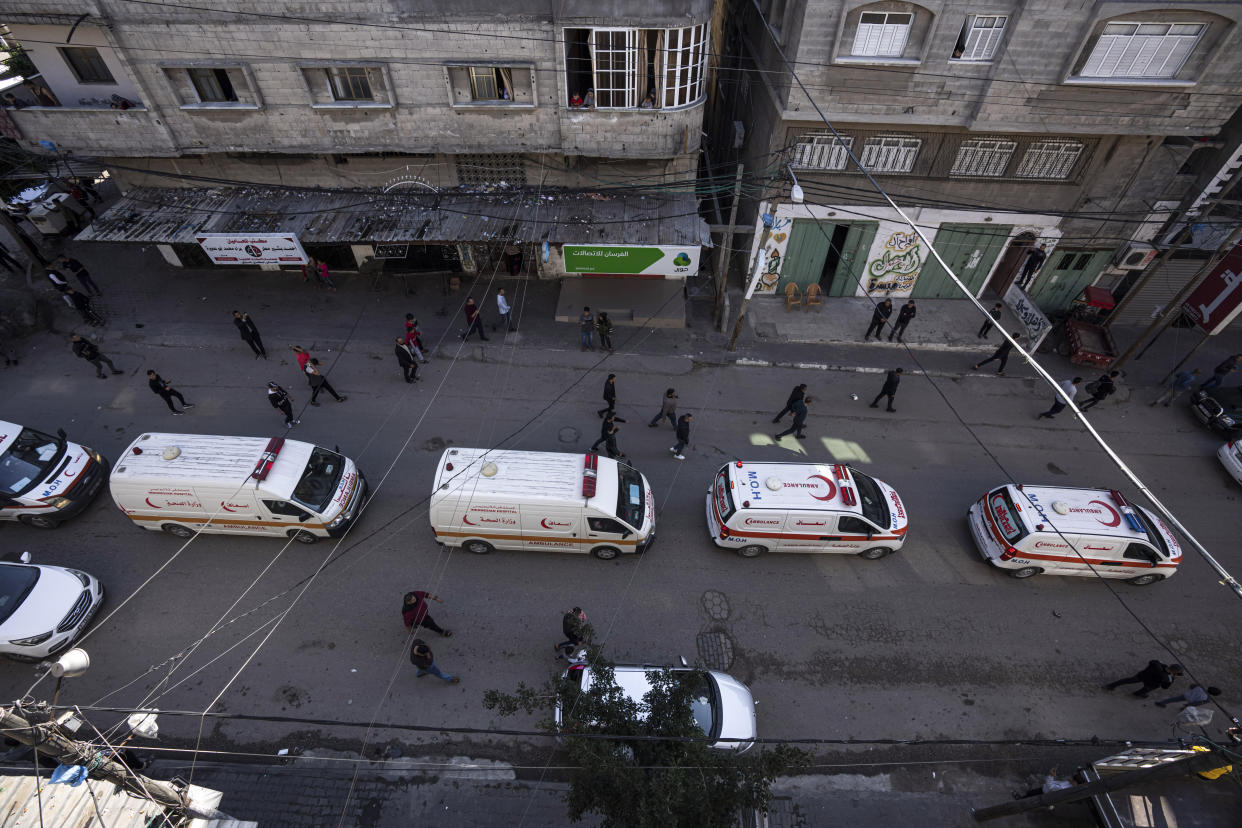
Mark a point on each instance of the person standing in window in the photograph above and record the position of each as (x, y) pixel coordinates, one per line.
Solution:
(648, 102)
(589, 101)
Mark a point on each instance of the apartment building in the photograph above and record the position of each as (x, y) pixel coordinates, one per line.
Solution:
(427, 135)
(998, 126)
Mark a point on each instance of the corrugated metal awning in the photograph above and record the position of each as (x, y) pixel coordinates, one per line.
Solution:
(170, 215)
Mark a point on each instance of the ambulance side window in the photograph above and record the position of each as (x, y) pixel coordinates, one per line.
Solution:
(281, 507)
(1141, 552)
(606, 525)
(854, 526)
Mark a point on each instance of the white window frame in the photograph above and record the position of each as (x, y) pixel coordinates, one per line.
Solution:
(1053, 159)
(822, 151)
(1136, 50)
(883, 39)
(984, 33)
(685, 59)
(339, 76)
(378, 79)
(629, 71)
(983, 157)
(890, 153)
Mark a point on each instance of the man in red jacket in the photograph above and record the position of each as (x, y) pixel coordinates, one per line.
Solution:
(414, 612)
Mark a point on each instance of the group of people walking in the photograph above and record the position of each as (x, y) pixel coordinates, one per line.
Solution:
(609, 429)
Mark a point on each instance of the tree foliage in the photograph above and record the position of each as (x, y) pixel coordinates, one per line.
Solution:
(648, 764)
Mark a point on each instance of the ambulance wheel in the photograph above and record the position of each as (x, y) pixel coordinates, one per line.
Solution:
(1026, 572)
(752, 551)
(302, 536)
(177, 530)
(1144, 580)
(479, 547)
(874, 553)
(605, 553)
(38, 522)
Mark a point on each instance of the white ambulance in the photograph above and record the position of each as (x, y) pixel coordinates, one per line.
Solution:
(494, 499)
(187, 483)
(44, 479)
(1028, 530)
(755, 508)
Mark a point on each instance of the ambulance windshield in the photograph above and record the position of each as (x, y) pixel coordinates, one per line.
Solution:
(874, 507)
(319, 480)
(28, 461)
(630, 496)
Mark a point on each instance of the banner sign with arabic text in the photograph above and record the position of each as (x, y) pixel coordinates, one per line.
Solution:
(1217, 299)
(252, 248)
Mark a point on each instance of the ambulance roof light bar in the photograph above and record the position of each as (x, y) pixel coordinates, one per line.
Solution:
(268, 458)
(590, 472)
(1127, 510)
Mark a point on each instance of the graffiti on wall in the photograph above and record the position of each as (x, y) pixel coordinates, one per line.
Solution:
(778, 241)
(897, 266)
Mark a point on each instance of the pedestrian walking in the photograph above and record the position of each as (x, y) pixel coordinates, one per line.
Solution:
(603, 326)
(422, 658)
(1197, 694)
(405, 358)
(318, 382)
(799, 419)
(1155, 676)
(503, 310)
(83, 305)
(1221, 371)
(7, 261)
(586, 329)
(415, 612)
(513, 258)
(80, 273)
(889, 389)
(878, 317)
(249, 333)
(668, 409)
(995, 315)
(610, 444)
(1001, 353)
(904, 317)
(683, 436)
(1178, 385)
(1034, 261)
(282, 402)
(89, 351)
(1101, 389)
(610, 396)
(1070, 387)
(798, 392)
(164, 390)
(414, 339)
(321, 267)
(302, 355)
(607, 429)
(473, 322)
(574, 628)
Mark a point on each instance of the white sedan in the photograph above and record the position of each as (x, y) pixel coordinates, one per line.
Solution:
(1230, 455)
(722, 706)
(44, 609)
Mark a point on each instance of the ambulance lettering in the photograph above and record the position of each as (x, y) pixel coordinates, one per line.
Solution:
(1039, 507)
(1050, 545)
(1000, 510)
(233, 507)
(346, 489)
(752, 482)
(549, 523)
(756, 521)
(801, 522)
(899, 513)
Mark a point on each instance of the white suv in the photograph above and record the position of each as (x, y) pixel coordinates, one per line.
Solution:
(44, 609)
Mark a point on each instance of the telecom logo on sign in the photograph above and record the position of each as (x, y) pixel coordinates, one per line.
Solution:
(631, 260)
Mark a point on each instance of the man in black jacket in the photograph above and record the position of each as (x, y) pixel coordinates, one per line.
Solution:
(889, 390)
(89, 351)
(1155, 675)
(1105, 387)
(878, 317)
(282, 402)
(160, 387)
(904, 316)
(796, 394)
(683, 436)
(409, 365)
(610, 395)
(799, 420)
(249, 333)
(82, 304)
(1001, 353)
(573, 625)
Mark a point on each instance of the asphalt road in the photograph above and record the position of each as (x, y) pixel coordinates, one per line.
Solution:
(930, 643)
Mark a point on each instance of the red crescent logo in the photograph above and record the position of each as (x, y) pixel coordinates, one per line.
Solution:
(152, 505)
(832, 489)
(466, 520)
(1116, 515)
(69, 473)
(225, 507)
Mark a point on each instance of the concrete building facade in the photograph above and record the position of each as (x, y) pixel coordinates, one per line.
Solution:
(998, 126)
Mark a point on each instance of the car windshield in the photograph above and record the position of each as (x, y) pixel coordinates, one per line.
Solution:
(703, 707)
(15, 584)
(874, 506)
(724, 497)
(28, 461)
(630, 496)
(319, 481)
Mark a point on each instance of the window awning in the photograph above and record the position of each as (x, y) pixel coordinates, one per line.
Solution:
(160, 215)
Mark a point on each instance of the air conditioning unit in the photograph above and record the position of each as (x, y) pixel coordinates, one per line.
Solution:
(1135, 256)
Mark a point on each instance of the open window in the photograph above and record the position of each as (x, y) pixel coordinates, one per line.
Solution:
(213, 87)
(494, 85)
(635, 68)
(980, 37)
(340, 86)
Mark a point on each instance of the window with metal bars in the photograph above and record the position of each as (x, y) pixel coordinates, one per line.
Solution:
(822, 151)
(983, 158)
(635, 68)
(1049, 159)
(890, 153)
(503, 168)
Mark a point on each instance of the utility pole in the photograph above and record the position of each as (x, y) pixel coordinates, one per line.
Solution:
(722, 255)
(47, 738)
(750, 290)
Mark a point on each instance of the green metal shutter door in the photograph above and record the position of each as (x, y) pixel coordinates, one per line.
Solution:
(853, 258)
(1072, 271)
(958, 244)
(804, 257)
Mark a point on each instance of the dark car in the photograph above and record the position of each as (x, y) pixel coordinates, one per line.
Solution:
(1220, 410)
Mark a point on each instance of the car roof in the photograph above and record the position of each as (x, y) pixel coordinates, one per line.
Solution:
(1074, 511)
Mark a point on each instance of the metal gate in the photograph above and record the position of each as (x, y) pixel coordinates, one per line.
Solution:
(1064, 276)
(1158, 292)
(810, 245)
(970, 250)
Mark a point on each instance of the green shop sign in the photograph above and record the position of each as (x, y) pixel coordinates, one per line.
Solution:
(660, 260)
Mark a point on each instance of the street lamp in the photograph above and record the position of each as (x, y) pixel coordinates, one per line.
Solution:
(795, 195)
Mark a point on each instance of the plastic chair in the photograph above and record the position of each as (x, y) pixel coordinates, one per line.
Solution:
(793, 296)
(814, 296)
